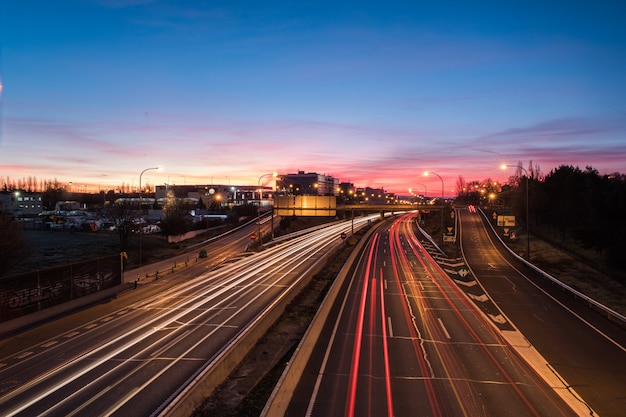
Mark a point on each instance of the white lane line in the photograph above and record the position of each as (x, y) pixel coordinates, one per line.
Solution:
(24, 355)
(444, 329)
(389, 326)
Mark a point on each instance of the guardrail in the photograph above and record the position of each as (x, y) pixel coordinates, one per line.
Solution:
(610, 313)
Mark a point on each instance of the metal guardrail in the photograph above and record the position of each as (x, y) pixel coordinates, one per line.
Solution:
(610, 313)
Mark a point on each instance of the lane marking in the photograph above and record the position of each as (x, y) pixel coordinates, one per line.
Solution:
(390, 326)
(24, 355)
(444, 329)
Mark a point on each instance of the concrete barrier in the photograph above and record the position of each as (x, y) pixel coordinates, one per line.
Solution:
(184, 402)
(283, 392)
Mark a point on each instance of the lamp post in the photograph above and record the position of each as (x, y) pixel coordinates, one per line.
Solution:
(140, 209)
(505, 166)
(426, 173)
(274, 174)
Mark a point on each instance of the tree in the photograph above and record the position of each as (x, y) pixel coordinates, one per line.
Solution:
(123, 217)
(174, 220)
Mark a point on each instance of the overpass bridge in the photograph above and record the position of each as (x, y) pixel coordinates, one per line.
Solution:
(387, 207)
(328, 206)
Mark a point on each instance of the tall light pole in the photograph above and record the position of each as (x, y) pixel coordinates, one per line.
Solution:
(274, 174)
(140, 209)
(426, 173)
(505, 166)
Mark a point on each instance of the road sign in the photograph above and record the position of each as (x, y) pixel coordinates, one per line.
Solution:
(463, 272)
(506, 221)
(343, 235)
(253, 236)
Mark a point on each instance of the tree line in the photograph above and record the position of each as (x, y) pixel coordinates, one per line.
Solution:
(575, 204)
(33, 185)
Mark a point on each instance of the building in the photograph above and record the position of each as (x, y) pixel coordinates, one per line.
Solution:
(310, 183)
(218, 195)
(347, 193)
(21, 203)
(370, 195)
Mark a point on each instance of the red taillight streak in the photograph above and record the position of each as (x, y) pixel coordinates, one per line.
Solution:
(356, 356)
(417, 247)
(420, 353)
(383, 316)
(371, 334)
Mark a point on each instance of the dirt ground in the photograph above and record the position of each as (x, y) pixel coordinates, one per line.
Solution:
(572, 271)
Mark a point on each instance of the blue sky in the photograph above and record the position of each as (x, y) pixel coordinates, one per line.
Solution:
(94, 91)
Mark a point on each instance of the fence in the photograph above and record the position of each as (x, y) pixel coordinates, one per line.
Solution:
(34, 291)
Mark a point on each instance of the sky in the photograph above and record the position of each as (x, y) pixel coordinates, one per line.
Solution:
(373, 93)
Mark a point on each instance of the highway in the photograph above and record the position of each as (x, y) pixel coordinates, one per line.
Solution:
(404, 340)
(583, 347)
(136, 359)
(218, 249)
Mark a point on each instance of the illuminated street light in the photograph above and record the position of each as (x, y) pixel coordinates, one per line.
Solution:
(140, 209)
(426, 173)
(274, 174)
(505, 166)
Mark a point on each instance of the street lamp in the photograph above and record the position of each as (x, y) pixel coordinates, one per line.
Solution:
(505, 166)
(140, 209)
(426, 173)
(274, 174)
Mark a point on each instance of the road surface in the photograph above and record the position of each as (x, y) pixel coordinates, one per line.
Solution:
(404, 340)
(134, 360)
(584, 348)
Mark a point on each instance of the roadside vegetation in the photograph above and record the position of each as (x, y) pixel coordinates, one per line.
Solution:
(578, 211)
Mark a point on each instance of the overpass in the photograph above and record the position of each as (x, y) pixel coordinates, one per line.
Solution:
(328, 206)
(387, 207)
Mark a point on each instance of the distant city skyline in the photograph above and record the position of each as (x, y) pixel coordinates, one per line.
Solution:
(94, 91)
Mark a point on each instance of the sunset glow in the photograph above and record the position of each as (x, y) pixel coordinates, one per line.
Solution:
(93, 92)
